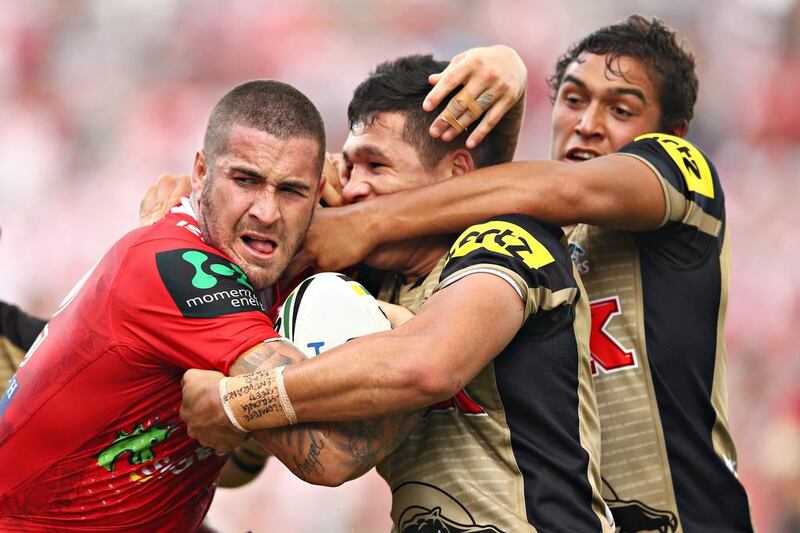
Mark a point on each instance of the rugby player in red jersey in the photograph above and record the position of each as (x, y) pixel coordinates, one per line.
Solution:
(90, 437)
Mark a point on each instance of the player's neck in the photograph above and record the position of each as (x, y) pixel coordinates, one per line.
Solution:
(426, 256)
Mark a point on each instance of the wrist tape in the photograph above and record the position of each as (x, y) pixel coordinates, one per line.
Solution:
(257, 401)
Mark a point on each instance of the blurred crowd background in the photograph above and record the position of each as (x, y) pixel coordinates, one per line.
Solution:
(99, 97)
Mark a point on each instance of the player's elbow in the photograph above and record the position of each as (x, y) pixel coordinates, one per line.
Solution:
(433, 379)
(330, 474)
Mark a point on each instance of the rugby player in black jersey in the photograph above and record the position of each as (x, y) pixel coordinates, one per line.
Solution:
(651, 246)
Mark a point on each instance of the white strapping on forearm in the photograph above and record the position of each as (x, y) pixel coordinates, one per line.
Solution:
(223, 391)
(288, 409)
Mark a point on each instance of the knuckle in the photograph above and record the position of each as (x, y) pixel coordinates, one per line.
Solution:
(456, 106)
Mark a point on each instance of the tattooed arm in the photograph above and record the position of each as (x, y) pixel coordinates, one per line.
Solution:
(423, 361)
(319, 453)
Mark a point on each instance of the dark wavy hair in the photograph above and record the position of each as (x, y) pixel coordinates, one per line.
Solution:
(671, 67)
(400, 85)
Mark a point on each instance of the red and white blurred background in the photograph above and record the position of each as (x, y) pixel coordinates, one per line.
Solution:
(99, 97)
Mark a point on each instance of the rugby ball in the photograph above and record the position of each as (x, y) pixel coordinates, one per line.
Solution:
(327, 310)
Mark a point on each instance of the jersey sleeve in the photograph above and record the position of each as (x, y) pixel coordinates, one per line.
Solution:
(189, 307)
(694, 218)
(524, 252)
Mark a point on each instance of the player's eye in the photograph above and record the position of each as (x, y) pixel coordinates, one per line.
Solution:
(573, 100)
(621, 112)
(288, 189)
(244, 180)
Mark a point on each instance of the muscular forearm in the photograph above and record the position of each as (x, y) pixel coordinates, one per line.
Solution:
(452, 205)
(374, 376)
(612, 191)
(332, 453)
(324, 453)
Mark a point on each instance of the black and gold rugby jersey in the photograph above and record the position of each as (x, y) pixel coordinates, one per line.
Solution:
(658, 301)
(18, 330)
(517, 449)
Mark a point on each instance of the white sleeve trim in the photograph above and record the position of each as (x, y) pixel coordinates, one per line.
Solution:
(502, 275)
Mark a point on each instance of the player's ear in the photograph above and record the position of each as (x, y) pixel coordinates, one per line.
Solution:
(679, 130)
(199, 172)
(461, 162)
(322, 181)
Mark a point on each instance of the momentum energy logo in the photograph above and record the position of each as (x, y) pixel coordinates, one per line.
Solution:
(205, 285)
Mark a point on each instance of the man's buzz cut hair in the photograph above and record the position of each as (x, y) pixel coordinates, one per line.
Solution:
(270, 106)
(400, 86)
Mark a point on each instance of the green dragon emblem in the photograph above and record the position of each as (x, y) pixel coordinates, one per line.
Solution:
(138, 443)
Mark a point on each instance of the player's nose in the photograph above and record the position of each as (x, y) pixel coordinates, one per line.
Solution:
(590, 122)
(264, 208)
(356, 190)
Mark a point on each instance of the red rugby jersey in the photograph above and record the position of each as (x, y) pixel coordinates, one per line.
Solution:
(90, 437)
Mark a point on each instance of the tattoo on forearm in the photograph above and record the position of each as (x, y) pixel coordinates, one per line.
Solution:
(309, 450)
(311, 462)
(274, 354)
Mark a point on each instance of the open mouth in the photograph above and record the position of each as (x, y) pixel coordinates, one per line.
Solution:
(259, 246)
(578, 155)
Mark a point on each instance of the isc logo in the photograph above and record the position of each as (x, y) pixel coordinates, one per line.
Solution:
(502, 238)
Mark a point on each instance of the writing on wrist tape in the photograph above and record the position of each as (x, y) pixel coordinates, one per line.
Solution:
(223, 393)
(257, 400)
(288, 408)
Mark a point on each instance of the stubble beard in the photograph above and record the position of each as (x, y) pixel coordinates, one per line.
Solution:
(261, 277)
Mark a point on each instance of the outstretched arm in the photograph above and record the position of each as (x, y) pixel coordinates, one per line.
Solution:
(425, 360)
(613, 191)
(323, 453)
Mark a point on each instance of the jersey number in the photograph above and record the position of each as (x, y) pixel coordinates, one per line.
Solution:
(607, 352)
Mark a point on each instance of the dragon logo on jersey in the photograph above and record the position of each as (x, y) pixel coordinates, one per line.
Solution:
(502, 238)
(138, 443)
(633, 516)
(429, 509)
(206, 285)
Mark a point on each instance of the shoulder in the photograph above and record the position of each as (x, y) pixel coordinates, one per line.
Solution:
(516, 237)
(530, 248)
(681, 164)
